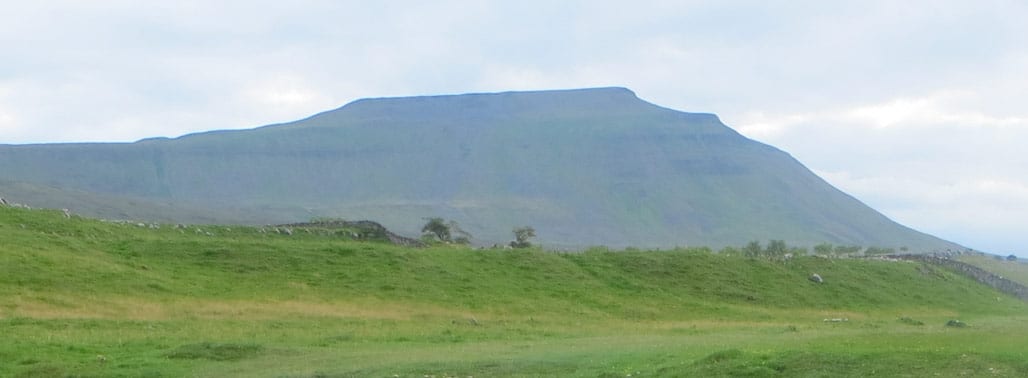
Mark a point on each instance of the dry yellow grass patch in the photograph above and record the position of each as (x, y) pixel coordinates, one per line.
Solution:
(134, 308)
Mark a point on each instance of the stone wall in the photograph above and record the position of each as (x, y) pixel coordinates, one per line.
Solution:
(369, 229)
(978, 274)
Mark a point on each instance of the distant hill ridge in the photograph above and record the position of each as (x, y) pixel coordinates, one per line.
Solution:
(583, 166)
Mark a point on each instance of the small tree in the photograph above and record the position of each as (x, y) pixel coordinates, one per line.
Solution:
(521, 237)
(752, 249)
(438, 228)
(1011, 258)
(459, 235)
(776, 249)
(823, 249)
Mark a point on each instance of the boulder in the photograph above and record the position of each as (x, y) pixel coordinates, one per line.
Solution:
(816, 278)
(956, 323)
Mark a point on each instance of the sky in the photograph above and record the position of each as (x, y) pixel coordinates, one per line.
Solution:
(917, 108)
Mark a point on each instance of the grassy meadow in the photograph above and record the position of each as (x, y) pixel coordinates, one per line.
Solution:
(80, 297)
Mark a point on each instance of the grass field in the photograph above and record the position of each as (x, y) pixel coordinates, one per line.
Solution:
(1016, 271)
(80, 297)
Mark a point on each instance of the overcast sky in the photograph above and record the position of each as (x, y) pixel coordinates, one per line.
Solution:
(919, 109)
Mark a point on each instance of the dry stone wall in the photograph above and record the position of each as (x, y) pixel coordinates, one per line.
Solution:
(978, 274)
(371, 230)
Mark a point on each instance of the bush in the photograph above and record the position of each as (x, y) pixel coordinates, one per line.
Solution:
(776, 249)
(443, 231)
(438, 228)
(752, 249)
(521, 237)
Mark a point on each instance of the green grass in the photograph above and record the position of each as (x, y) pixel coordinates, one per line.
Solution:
(80, 297)
(1016, 271)
(216, 352)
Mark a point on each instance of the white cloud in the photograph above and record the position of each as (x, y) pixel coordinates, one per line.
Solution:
(941, 108)
(944, 109)
(283, 95)
(759, 125)
(984, 213)
(8, 121)
(933, 162)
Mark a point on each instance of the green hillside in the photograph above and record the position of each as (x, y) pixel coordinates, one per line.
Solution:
(584, 167)
(121, 207)
(81, 297)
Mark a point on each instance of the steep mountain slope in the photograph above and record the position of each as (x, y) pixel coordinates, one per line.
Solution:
(591, 166)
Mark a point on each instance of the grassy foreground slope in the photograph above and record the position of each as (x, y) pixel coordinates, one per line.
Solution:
(85, 298)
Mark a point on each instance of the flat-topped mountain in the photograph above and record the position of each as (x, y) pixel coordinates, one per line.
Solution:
(583, 167)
